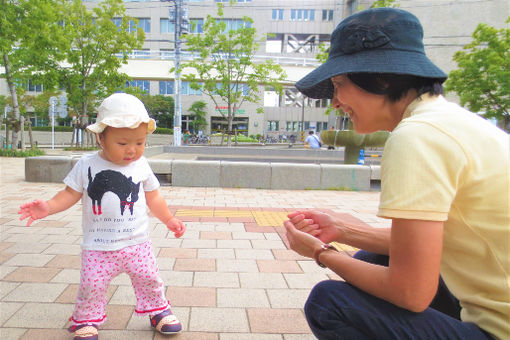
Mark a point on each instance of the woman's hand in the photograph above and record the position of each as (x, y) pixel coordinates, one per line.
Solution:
(176, 226)
(301, 242)
(318, 224)
(35, 210)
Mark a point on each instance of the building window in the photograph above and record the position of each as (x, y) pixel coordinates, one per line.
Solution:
(143, 23)
(273, 125)
(166, 87)
(234, 24)
(142, 84)
(277, 14)
(186, 89)
(197, 25)
(166, 26)
(302, 14)
(327, 15)
(32, 87)
(352, 6)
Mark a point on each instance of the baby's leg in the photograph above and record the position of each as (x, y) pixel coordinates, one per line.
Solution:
(142, 268)
(97, 270)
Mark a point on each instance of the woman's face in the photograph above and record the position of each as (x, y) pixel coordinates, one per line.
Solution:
(369, 112)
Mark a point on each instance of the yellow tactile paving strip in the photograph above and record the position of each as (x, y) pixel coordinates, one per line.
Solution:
(262, 218)
(274, 218)
(343, 247)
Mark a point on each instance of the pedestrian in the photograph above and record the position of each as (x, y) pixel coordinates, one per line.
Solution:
(312, 141)
(442, 270)
(115, 185)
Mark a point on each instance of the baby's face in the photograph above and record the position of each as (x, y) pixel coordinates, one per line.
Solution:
(123, 146)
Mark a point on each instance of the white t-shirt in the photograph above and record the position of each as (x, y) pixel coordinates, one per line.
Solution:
(114, 207)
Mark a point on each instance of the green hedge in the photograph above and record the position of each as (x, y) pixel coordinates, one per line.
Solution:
(19, 153)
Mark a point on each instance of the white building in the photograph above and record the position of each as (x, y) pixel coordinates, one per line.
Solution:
(295, 29)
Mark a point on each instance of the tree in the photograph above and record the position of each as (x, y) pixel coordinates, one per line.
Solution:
(161, 108)
(224, 68)
(482, 80)
(197, 112)
(98, 43)
(29, 44)
(385, 3)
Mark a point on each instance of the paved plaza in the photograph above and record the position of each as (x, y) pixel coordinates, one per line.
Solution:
(230, 277)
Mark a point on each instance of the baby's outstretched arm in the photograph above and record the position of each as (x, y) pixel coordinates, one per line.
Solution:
(39, 209)
(159, 208)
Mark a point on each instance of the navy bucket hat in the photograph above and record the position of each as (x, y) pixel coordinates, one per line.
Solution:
(379, 40)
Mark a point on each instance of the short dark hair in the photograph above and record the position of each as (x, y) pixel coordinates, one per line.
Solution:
(396, 86)
(310, 132)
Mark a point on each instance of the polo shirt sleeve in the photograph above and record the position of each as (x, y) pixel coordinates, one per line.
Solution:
(421, 171)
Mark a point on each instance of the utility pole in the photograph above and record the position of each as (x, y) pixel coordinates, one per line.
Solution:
(177, 79)
(179, 17)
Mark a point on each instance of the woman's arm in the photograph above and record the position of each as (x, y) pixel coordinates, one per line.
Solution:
(412, 277)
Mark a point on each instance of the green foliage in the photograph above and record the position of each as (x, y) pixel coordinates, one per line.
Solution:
(160, 107)
(240, 138)
(19, 153)
(198, 113)
(163, 131)
(224, 66)
(385, 3)
(95, 49)
(482, 79)
(56, 128)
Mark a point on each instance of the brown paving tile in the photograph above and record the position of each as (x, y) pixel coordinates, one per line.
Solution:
(278, 266)
(241, 219)
(195, 265)
(53, 334)
(287, 254)
(70, 293)
(51, 223)
(118, 316)
(5, 220)
(255, 228)
(215, 235)
(189, 218)
(5, 245)
(213, 219)
(266, 320)
(65, 261)
(188, 336)
(5, 256)
(32, 274)
(191, 296)
(178, 253)
(272, 209)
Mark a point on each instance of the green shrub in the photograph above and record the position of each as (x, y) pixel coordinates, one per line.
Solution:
(163, 131)
(56, 128)
(19, 153)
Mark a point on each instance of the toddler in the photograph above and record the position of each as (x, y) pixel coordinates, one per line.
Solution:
(115, 185)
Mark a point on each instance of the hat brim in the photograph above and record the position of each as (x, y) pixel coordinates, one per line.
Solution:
(99, 127)
(317, 84)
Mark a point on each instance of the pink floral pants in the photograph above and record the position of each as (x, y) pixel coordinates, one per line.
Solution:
(98, 268)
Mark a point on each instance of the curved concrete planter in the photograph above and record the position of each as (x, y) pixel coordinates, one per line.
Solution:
(353, 141)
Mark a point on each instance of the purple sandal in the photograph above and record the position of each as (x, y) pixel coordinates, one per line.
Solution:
(166, 322)
(84, 332)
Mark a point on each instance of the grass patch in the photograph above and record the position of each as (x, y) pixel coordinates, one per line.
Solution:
(88, 148)
(20, 153)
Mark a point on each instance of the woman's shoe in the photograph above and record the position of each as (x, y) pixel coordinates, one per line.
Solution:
(165, 322)
(84, 332)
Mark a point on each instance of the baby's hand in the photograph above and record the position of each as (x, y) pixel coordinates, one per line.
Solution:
(176, 226)
(35, 210)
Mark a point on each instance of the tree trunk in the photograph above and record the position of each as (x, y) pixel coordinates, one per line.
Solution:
(30, 137)
(15, 105)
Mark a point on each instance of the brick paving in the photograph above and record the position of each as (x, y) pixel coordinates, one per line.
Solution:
(230, 277)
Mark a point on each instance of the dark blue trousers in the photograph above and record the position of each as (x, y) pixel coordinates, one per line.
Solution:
(337, 310)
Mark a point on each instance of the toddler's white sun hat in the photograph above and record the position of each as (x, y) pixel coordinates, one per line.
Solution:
(122, 110)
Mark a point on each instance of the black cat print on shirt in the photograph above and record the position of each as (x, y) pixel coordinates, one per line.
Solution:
(116, 182)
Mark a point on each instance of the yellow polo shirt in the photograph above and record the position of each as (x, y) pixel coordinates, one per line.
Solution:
(443, 163)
